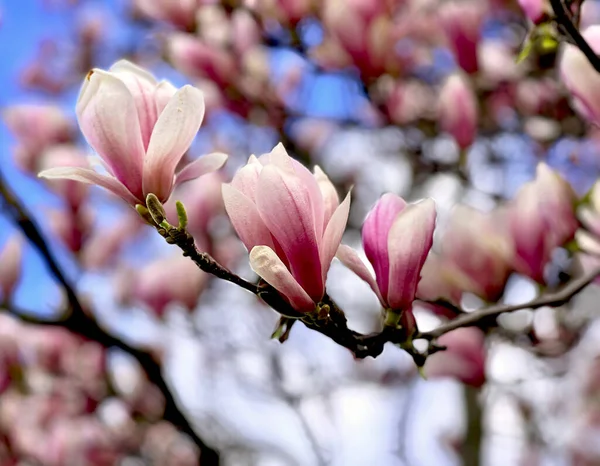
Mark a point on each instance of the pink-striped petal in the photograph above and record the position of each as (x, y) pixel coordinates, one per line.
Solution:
(173, 133)
(270, 268)
(162, 94)
(375, 234)
(246, 179)
(86, 175)
(409, 241)
(331, 201)
(285, 205)
(280, 158)
(333, 235)
(108, 119)
(142, 86)
(206, 164)
(245, 218)
(349, 257)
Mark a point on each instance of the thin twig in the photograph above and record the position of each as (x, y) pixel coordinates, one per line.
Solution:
(557, 298)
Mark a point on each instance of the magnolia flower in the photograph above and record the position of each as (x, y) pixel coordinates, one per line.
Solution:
(10, 265)
(580, 77)
(461, 22)
(534, 9)
(438, 281)
(458, 113)
(180, 13)
(463, 359)
(541, 218)
(141, 129)
(36, 128)
(397, 238)
(290, 220)
(168, 281)
(477, 252)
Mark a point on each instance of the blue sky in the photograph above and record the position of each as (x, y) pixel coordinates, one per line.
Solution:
(24, 24)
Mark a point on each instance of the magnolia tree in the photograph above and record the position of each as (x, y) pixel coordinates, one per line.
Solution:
(355, 232)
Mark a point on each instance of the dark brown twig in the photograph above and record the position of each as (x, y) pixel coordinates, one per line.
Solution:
(563, 18)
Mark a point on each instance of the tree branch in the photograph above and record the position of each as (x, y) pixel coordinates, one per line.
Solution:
(563, 17)
(557, 298)
(81, 322)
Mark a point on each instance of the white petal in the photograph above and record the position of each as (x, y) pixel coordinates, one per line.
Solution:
(268, 265)
(173, 134)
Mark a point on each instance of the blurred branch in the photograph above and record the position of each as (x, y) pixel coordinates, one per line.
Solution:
(471, 446)
(81, 322)
(554, 299)
(563, 17)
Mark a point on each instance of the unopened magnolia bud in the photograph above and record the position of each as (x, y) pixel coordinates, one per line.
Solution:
(156, 209)
(181, 215)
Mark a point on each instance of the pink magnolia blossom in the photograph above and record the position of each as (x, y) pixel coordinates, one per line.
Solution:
(541, 218)
(36, 127)
(290, 220)
(461, 21)
(65, 155)
(286, 11)
(397, 238)
(534, 9)
(72, 227)
(458, 114)
(199, 59)
(11, 255)
(141, 129)
(477, 250)
(176, 280)
(464, 358)
(203, 201)
(438, 281)
(364, 30)
(180, 13)
(580, 78)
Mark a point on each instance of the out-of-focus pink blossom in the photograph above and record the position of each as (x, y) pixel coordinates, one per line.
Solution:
(408, 100)
(464, 358)
(36, 127)
(478, 248)
(203, 201)
(180, 13)
(104, 245)
(291, 222)
(541, 218)
(288, 12)
(65, 155)
(580, 78)
(462, 22)
(141, 129)
(534, 9)
(198, 59)
(175, 280)
(397, 238)
(365, 30)
(11, 255)
(458, 114)
(438, 281)
(72, 228)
